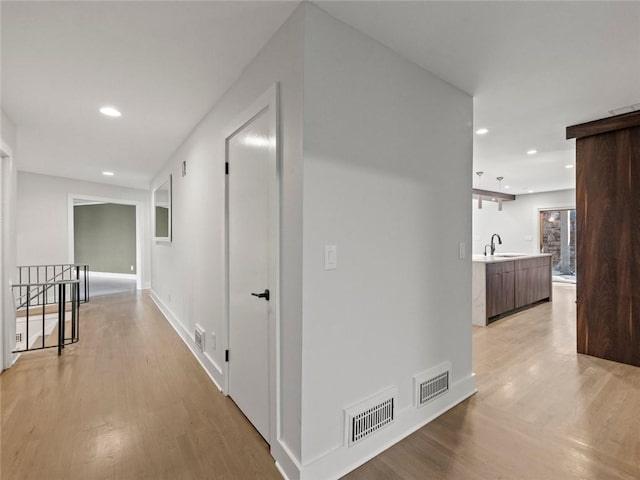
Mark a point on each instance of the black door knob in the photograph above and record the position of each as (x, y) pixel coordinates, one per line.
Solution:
(264, 295)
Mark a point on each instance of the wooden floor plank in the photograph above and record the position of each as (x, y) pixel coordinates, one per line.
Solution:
(130, 402)
(541, 411)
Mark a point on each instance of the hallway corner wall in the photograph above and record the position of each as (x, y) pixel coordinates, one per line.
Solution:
(372, 145)
(387, 172)
(188, 274)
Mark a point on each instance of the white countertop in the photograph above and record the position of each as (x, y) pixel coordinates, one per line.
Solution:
(506, 257)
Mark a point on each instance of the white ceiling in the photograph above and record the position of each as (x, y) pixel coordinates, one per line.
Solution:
(533, 68)
(163, 64)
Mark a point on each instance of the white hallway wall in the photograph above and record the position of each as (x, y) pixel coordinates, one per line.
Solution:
(368, 173)
(8, 135)
(518, 222)
(43, 223)
(387, 145)
(188, 275)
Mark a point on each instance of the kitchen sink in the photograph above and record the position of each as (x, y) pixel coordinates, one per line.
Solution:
(509, 255)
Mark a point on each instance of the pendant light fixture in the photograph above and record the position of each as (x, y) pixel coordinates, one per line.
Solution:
(479, 174)
(491, 195)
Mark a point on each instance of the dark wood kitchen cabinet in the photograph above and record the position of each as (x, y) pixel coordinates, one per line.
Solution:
(500, 288)
(533, 280)
(516, 284)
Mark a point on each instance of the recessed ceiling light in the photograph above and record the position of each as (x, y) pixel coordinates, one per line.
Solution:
(533, 151)
(507, 186)
(530, 191)
(568, 166)
(108, 174)
(482, 131)
(110, 112)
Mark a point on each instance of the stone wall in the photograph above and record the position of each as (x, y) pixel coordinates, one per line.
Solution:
(552, 234)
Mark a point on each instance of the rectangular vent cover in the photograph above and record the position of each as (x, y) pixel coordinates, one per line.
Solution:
(432, 384)
(19, 337)
(370, 416)
(433, 388)
(199, 338)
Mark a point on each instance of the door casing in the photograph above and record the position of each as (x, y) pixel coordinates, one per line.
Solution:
(139, 227)
(268, 102)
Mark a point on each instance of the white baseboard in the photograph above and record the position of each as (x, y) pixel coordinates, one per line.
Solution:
(9, 361)
(206, 362)
(341, 460)
(338, 462)
(282, 472)
(13, 360)
(286, 462)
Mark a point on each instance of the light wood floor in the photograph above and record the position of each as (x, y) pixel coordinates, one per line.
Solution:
(130, 402)
(542, 411)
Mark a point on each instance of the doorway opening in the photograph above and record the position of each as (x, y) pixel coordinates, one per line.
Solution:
(558, 237)
(105, 234)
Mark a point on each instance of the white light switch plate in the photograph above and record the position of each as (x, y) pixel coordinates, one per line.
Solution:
(330, 257)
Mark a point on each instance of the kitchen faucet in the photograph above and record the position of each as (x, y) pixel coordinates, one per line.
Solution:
(493, 245)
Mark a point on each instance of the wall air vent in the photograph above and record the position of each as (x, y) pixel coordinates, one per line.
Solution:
(19, 337)
(369, 416)
(431, 384)
(199, 338)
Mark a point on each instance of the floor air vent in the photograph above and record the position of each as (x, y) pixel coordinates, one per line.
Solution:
(199, 338)
(432, 384)
(370, 416)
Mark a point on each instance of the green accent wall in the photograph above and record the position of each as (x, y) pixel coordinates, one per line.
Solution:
(105, 237)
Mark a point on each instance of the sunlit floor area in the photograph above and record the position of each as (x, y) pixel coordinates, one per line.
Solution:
(103, 285)
(564, 278)
(130, 402)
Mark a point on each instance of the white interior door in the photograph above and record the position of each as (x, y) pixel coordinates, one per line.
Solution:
(249, 249)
